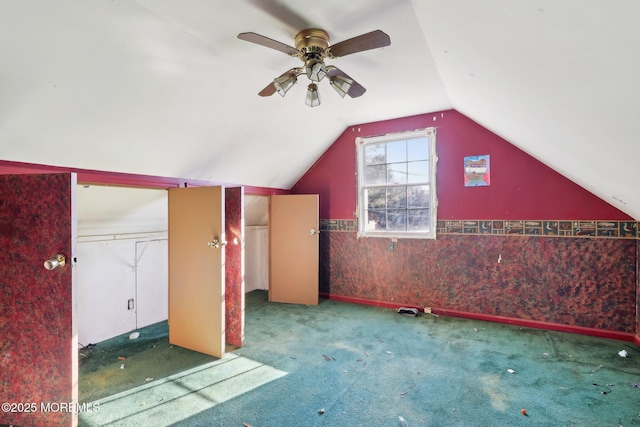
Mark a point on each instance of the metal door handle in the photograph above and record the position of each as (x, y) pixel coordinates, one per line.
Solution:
(57, 261)
(314, 231)
(216, 243)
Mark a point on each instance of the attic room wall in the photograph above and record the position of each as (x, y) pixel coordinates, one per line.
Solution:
(565, 255)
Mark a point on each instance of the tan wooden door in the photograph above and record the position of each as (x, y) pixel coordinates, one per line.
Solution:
(196, 269)
(293, 249)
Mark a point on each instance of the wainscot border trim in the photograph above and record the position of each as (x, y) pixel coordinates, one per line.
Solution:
(548, 228)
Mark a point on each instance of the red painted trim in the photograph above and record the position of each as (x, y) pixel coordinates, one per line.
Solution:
(88, 176)
(622, 336)
(602, 333)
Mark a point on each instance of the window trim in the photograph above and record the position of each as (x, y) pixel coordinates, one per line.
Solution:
(429, 133)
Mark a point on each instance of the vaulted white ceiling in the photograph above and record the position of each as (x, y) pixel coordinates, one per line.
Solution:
(161, 87)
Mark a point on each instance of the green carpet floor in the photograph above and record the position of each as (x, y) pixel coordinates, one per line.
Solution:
(339, 364)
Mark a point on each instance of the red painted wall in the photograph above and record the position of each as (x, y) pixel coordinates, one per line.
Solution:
(521, 186)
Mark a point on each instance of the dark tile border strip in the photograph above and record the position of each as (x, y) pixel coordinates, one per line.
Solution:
(593, 229)
(350, 225)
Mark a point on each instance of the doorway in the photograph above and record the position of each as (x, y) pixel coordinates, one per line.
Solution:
(124, 231)
(122, 246)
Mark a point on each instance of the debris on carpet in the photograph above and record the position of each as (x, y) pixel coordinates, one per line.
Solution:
(410, 312)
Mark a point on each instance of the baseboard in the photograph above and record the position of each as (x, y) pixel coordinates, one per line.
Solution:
(601, 333)
(364, 301)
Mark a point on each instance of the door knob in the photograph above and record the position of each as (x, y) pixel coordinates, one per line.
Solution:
(57, 261)
(314, 231)
(216, 243)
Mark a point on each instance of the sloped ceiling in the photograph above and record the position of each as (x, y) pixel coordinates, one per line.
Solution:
(165, 88)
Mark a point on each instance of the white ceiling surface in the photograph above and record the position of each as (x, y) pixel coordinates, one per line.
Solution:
(165, 88)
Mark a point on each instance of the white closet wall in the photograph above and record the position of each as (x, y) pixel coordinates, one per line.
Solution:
(256, 257)
(256, 243)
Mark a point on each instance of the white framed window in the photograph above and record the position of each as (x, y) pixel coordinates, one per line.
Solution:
(397, 185)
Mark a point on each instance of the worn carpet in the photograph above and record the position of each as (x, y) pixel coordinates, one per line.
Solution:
(340, 364)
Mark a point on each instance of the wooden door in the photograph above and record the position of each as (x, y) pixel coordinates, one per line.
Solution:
(38, 335)
(293, 249)
(196, 269)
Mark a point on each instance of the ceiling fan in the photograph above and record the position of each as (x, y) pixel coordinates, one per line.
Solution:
(312, 46)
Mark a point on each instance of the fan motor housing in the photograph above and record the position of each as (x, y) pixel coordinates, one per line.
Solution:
(313, 42)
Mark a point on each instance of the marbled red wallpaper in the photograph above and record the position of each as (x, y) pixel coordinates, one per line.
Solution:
(234, 268)
(586, 282)
(36, 316)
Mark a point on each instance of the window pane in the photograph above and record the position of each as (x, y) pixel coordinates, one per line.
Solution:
(397, 173)
(418, 220)
(418, 149)
(376, 198)
(397, 220)
(375, 175)
(418, 171)
(397, 198)
(376, 220)
(395, 187)
(374, 154)
(418, 196)
(397, 151)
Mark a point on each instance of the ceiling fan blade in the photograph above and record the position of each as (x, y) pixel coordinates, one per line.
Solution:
(282, 13)
(267, 42)
(269, 90)
(356, 88)
(372, 40)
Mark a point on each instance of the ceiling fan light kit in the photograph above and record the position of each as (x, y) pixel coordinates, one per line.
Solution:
(285, 82)
(341, 85)
(316, 70)
(313, 96)
(312, 47)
